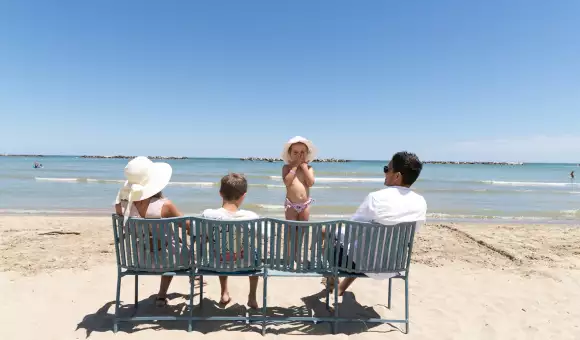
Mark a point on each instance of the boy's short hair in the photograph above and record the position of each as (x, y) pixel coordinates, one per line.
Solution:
(233, 186)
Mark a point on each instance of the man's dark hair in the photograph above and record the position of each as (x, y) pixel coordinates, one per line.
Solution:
(408, 164)
(233, 186)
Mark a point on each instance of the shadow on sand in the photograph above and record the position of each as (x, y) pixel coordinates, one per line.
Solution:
(102, 319)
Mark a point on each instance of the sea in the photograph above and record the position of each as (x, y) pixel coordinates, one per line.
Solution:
(70, 185)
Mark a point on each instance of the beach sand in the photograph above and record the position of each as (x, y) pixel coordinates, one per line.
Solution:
(58, 277)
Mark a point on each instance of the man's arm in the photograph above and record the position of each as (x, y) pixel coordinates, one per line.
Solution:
(289, 173)
(365, 212)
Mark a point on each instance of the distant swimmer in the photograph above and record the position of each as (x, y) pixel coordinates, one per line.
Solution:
(572, 175)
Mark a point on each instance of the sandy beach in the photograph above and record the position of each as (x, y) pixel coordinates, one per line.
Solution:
(466, 282)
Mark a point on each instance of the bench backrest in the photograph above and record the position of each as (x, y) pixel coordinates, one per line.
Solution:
(375, 248)
(152, 245)
(228, 246)
(158, 245)
(297, 246)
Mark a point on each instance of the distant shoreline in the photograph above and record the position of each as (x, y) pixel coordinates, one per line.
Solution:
(268, 159)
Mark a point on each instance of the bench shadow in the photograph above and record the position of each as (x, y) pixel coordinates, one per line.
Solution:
(314, 305)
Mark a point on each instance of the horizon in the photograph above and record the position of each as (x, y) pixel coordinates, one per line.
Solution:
(96, 156)
(494, 81)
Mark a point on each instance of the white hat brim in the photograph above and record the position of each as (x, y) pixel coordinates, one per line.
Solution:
(312, 151)
(159, 177)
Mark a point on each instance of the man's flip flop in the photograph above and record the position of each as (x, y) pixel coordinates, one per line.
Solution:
(160, 302)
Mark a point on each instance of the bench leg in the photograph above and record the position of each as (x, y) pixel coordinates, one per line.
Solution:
(201, 291)
(264, 303)
(136, 292)
(389, 300)
(335, 327)
(117, 304)
(191, 292)
(327, 295)
(406, 305)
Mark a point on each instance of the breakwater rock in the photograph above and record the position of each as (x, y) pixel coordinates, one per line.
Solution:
(33, 156)
(130, 157)
(480, 163)
(272, 160)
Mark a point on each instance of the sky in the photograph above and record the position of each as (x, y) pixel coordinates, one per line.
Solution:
(447, 79)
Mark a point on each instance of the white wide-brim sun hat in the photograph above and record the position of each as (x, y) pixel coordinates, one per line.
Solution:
(298, 139)
(144, 179)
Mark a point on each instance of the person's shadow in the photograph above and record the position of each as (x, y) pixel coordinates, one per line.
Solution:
(102, 319)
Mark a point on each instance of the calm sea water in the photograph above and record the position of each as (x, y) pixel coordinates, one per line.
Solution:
(69, 185)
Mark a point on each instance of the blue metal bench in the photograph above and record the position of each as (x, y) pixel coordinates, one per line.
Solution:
(370, 248)
(271, 248)
(151, 247)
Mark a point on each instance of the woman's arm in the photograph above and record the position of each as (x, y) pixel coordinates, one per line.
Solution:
(119, 209)
(170, 210)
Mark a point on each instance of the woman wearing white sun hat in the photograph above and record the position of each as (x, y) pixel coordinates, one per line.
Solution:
(141, 196)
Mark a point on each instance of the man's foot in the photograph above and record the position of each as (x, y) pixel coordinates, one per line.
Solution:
(252, 303)
(225, 299)
(160, 301)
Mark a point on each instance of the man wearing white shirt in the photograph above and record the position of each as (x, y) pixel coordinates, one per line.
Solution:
(396, 203)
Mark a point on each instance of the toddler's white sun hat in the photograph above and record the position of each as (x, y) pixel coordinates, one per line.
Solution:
(298, 139)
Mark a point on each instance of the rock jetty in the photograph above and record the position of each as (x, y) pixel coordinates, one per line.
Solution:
(130, 157)
(472, 162)
(272, 160)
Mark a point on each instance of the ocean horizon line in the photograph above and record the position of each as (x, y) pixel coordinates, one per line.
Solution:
(451, 162)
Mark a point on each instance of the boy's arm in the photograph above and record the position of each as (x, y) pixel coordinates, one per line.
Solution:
(288, 174)
(309, 174)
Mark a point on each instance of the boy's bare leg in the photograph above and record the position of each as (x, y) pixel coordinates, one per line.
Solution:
(252, 301)
(344, 284)
(225, 293)
(164, 286)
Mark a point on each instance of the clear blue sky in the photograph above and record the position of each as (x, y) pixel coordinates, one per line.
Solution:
(486, 80)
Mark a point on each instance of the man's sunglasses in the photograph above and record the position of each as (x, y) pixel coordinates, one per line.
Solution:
(386, 169)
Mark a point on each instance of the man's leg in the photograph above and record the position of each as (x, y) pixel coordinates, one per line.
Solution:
(252, 301)
(225, 293)
(163, 287)
(344, 284)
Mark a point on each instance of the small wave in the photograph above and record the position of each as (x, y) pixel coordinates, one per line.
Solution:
(273, 207)
(527, 184)
(444, 216)
(281, 186)
(57, 179)
(570, 213)
(193, 184)
(339, 179)
(114, 181)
